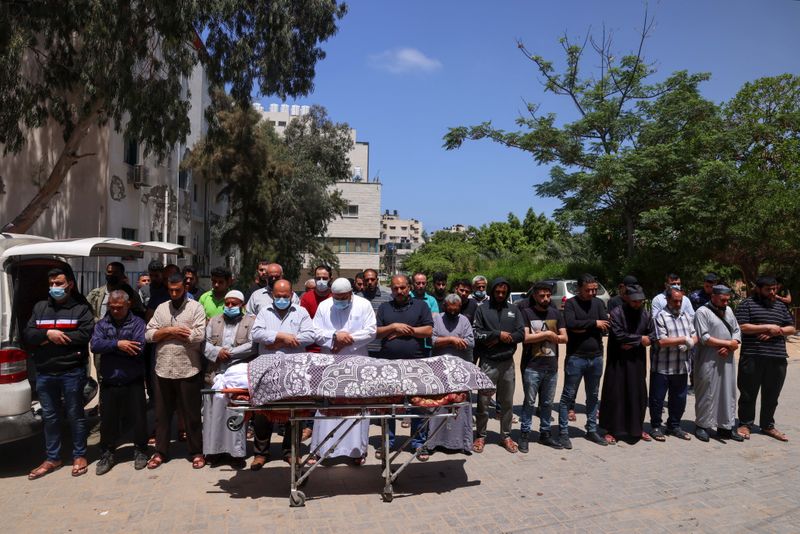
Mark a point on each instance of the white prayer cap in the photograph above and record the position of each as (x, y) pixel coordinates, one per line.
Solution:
(234, 294)
(341, 285)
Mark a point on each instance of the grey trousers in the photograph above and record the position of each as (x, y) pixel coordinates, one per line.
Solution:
(503, 376)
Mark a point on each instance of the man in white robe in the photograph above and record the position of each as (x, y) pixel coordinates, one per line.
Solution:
(715, 371)
(345, 324)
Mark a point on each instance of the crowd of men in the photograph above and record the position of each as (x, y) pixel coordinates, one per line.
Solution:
(162, 342)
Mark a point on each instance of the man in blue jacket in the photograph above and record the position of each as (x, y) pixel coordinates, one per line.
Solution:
(58, 332)
(119, 338)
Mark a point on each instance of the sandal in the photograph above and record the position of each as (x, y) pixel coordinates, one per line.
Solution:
(744, 431)
(358, 462)
(510, 445)
(423, 455)
(571, 415)
(658, 434)
(478, 445)
(183, 436)
(312, 460)
(306, 435)
(198, 461)
(258, 462)
(48, 466)
(79, 466)
(610, 439)
(155, 461)
(646, 436)
(406, 423)
(775, 433)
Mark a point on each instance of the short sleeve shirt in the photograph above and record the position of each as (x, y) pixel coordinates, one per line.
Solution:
(757, 311)
(542, 356)
(415, 313)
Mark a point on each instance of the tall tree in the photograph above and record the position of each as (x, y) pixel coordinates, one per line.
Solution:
(78, 64)
(280, 190)
(604, 183)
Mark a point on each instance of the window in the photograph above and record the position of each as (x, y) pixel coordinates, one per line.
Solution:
(194, 187)
(404, 227)
(156, 236)
(350, 211)
(131, 156)
(129, 234)
(182, 240)
(183, 179)
(392, 228)
(281, 123)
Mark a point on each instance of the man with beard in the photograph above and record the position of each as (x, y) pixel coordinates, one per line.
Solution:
(419, 291)
(715, 372)
(115, 279)
(765, 323)
(700, 297)
(376, 295)
(262, 298)
(178, 330)
(463, 288)
(544, 331)
(479, 294)
(439, 289)
(624, 396)
(619, 298)
(261, 279)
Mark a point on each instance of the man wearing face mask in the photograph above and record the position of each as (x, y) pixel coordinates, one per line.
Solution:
(98, 297)
(178, 330)
(345, 324)
(228, 343)
(479, 294)
(281, 327)
(213, 300)
(311, 299)
(439, 289)
(263, 297)
(59, 331)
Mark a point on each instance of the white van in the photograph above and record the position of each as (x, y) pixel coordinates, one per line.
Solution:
(24, 263)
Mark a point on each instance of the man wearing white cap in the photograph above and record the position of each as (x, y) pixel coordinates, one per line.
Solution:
(281, 327)
(228, 343)
(345, 324)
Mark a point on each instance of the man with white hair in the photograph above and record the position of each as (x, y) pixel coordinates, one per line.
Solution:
(345, 324)
(281, 327)
(479, 284)
(262, 298)
(228, 343)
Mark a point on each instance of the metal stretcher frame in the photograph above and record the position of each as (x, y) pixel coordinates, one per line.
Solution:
(300, 473)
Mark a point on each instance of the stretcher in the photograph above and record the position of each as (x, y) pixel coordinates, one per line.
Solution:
(349, 414)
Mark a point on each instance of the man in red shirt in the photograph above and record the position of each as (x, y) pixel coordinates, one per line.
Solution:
(311, 299)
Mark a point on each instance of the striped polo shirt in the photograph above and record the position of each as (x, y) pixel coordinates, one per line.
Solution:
(754, 310)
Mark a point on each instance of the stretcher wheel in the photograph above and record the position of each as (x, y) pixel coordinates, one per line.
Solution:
(388, 494)
(235, 422)
(297, 499)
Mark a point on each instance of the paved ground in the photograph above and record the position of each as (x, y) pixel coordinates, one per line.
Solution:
(656, 487)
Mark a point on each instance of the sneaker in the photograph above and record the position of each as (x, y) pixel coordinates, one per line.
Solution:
(594, 437)
(140, 460)
(565, 442)
(547, 440)
(105, 463)
(523, 442)
(701, 434)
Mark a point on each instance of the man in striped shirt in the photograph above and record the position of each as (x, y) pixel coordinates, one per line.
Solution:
(765, 323)
(670, 364)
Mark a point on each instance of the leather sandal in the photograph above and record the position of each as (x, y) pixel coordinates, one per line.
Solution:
(744, 431)
(510, 445)
(571, 415)
(611, 440)
(198, 461)
(775, 433)
(258, 462)
(79, 466)
(478, 445)
(155, 461)
(46, 467)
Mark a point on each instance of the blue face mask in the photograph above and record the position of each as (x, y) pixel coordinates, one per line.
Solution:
(322, 286)
(57, 292)
(282, 303)
(341, 304)
(479, 294)
(233, 311)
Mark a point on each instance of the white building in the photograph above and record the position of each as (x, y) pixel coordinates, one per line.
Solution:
(119, 192)
(354, 237)
(399, 238)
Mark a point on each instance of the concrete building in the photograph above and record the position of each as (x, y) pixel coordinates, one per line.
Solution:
(119, 192)
(399, 238)
(354, 237)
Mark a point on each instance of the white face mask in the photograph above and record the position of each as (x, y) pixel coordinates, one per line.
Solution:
(322, 285)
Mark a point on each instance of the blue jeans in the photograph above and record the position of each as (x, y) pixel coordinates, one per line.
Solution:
(417, 442)
(542, 382)
(591, 370)
(677, 385)
(51, 389)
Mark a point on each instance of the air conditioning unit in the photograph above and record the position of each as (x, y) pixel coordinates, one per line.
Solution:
(137, 176)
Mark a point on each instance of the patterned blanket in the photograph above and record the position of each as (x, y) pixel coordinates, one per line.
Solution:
(332, 376)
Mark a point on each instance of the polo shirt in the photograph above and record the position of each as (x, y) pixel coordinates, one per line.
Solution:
(211, 305)
(754, 310)
(414, 313)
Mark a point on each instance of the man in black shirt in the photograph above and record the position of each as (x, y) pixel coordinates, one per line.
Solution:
(765, 322)
(544, 330)
(403, 324)
(463, 288)
(619, 298)
(586, 319)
